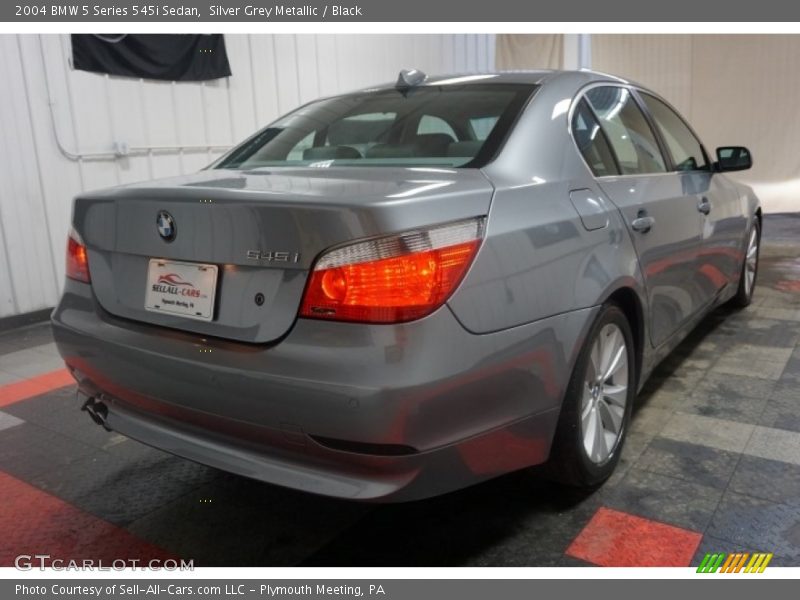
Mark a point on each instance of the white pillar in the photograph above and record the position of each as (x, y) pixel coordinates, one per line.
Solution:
(577, 51)
(585, 51)
(570, 41)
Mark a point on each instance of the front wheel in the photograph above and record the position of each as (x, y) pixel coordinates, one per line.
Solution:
(747, 279)
(597, 405)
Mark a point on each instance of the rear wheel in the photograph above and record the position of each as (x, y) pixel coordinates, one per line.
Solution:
(747, 280)
(597, 406)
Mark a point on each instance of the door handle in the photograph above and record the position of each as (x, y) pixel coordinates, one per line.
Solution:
(704, 206)
(643, 224)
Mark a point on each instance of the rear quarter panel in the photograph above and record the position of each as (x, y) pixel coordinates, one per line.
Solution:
(538, 259)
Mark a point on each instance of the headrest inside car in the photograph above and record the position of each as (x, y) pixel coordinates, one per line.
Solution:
(330, 153)
(432, 144)
(390, 151)
(469, 148)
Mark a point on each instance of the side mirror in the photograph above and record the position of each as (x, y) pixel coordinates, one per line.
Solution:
(733, 158)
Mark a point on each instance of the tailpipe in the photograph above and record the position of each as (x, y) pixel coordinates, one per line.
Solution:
(97, 411)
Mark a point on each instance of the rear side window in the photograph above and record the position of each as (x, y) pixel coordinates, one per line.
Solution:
(687, 152)
(592, 142)
(628, 132)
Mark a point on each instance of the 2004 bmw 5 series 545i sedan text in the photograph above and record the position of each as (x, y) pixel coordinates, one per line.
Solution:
(398, 292)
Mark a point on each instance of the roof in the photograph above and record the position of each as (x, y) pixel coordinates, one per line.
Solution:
(532, 77)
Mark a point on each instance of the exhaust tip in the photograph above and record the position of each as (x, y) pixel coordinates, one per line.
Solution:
(97, 411)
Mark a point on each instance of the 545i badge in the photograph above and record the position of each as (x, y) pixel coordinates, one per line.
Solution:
(273, 256)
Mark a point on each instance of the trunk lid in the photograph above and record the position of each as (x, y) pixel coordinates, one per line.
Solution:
(262, 229)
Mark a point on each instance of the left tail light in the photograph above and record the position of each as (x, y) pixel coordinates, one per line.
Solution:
(395, 278)
(77, 259)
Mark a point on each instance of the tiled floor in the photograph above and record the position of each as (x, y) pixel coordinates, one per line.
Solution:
(712, 464)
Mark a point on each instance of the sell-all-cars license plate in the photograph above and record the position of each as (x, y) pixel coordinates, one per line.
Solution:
(180, 288)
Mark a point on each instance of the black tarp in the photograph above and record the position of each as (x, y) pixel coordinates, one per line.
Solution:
(166, 57)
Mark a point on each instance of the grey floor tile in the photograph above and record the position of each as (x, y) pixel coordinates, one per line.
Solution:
(753, 361)
(698, 464)
(758, 525)
(6, 378)
(780, 299)
(698, 352)
(782, 411)
(775, 444)
(708, 431)
(787, 389)
(767, 479)
(787, 314)
(666, 399)
(673, 381)
(724, 385)
(724, 405)
(649, 420)
(122, 490)
(29, 363)
(791, 373)
(28, 450)
(763, 332)
(666, 499)
(25, 337)
(48, 350)
(7, 421)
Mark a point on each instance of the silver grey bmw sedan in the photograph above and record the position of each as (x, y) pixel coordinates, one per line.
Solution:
(398, 292)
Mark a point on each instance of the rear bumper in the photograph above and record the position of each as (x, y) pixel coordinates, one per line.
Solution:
(356, 411)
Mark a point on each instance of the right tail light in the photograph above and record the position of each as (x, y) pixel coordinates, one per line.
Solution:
(395, 278)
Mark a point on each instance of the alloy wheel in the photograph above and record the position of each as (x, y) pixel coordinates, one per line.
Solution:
(605, 394)
(751, 262)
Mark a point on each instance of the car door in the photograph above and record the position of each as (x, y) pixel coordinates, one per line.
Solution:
(722, 215)
(662, 218)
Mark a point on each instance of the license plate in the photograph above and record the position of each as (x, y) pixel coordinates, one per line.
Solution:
(179, 288)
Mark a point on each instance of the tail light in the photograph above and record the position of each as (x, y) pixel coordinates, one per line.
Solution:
(392, 279)
(77, 260)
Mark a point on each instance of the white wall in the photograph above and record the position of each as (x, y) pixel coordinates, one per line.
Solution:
(172, 128)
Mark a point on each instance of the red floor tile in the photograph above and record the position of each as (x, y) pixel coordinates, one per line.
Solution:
(41, 384)
(617, 539)
(34, 522)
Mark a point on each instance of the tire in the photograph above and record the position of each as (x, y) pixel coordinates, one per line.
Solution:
(749, 272)
(577, 456)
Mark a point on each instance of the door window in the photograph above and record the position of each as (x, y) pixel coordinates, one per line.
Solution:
(628, 131)
(687, 152)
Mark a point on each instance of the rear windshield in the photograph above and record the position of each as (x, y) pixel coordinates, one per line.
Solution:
(448, 125)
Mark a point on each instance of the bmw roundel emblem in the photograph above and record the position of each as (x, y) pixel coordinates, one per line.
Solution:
(166, 226)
